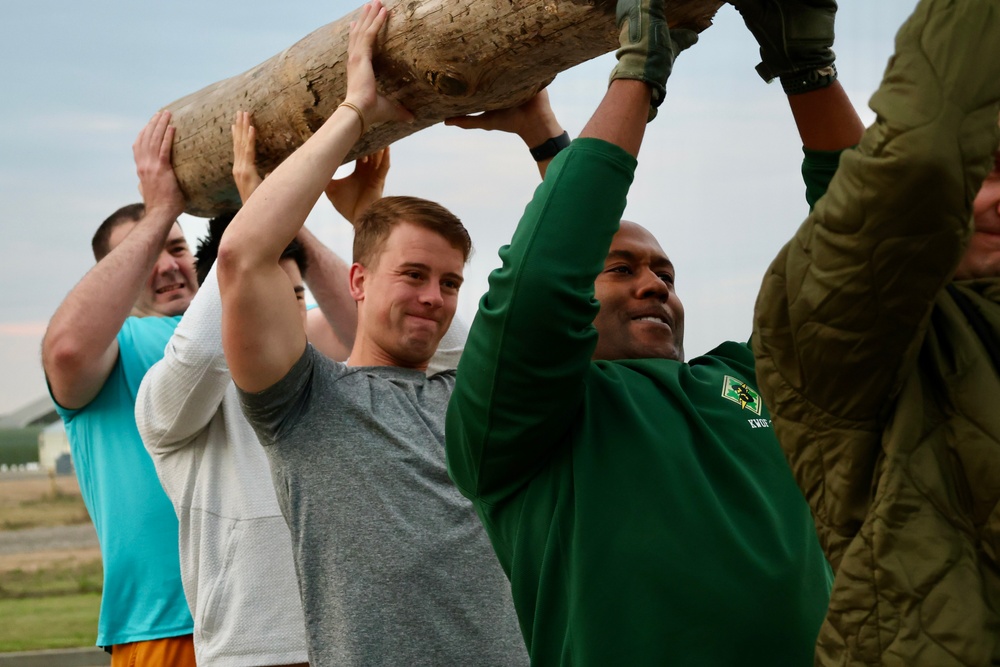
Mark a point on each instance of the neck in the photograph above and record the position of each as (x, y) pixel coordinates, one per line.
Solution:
(367, 352)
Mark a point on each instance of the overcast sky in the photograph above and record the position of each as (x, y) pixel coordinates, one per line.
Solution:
(718, 180)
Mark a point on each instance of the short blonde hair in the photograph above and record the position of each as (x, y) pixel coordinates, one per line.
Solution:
(372, 228)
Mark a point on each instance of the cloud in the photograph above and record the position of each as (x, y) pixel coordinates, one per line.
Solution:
(23, 329)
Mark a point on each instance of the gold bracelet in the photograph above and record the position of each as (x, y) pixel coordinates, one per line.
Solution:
(361, 116)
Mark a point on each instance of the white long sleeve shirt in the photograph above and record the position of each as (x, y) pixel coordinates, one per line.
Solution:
(235, 547)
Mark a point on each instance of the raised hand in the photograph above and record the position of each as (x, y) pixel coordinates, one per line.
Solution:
(533, 120)
(362, 93)
(355, 193)
(647, 46)
(795, 38)
(245, 155)
(157, 183)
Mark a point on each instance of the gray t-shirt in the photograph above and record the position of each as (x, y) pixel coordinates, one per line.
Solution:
(393, 564)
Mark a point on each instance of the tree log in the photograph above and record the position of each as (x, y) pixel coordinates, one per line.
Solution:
(439, 58)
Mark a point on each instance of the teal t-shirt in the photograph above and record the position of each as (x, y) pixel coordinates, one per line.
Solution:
(136, 524)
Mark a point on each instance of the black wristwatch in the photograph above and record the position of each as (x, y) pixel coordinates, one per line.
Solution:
(550, 148)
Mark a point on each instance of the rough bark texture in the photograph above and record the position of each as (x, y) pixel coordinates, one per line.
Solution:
(440, 58)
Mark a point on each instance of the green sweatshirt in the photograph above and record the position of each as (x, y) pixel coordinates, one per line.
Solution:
(642, 509)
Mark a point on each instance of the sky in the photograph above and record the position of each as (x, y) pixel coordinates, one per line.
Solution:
(718, 180)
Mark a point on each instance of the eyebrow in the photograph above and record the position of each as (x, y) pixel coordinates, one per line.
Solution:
(423, 267)
(631, 257)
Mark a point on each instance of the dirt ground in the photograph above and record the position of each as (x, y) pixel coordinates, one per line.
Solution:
(40, 507)
(19, 487)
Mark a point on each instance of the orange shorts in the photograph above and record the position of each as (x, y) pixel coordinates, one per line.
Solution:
(167, 652)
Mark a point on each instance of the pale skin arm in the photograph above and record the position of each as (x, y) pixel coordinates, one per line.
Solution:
(534, 121)
(262, 330)
(332, 330)
(80, 346)
(332, 327)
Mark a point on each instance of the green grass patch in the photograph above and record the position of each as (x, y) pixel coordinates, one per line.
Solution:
(19, 445)
(65, 621)
(72, 579)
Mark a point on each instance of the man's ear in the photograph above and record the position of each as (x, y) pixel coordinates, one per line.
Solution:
(356, 281)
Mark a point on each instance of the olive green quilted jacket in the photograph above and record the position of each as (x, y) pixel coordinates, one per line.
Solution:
(884, 398)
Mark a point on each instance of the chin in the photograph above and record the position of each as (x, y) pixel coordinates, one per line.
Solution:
(174, 308)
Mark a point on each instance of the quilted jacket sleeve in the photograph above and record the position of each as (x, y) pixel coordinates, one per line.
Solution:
(844, 307)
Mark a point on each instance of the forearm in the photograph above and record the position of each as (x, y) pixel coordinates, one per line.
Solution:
(826, 119)
(327, 278)
(79, 348)
(276, 211)
(621, 117)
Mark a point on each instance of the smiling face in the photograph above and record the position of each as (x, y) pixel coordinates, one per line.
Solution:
(406, 298)
(982, 257)
(172, 284)
(641, 316)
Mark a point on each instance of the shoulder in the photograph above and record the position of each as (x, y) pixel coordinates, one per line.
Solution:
(142, 340)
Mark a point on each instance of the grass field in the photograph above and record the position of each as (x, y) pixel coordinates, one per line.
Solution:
(49, 599)
(63, 579)
(64, 621)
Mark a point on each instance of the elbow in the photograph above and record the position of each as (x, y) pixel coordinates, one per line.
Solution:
(230, 264)
(62, 353)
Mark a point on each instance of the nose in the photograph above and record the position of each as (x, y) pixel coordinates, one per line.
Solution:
(431, 295)
(651, 286)
(166, 263)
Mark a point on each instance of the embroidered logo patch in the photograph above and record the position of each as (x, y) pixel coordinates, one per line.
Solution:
(737, 391)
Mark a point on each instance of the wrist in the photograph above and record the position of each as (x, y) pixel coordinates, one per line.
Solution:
(163, 212)
(539, 131)
(353, 108)
(808, 80)
(549, 148)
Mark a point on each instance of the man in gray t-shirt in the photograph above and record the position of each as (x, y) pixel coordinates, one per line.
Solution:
(394, 567)
(393, 564)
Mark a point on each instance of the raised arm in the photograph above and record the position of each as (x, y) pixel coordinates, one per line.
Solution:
(330, 328)
(80, 346)
(796, 47)
(850, 296)
(263, 333)
(333, 328)
(521, 378)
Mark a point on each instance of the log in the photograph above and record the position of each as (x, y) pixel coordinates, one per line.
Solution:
(439, 58)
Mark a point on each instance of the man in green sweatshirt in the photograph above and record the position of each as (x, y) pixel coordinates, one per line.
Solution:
(640, 505)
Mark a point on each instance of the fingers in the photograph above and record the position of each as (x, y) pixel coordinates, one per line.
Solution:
(373, 168)
(372, 19)
(244, 138)
(167, 144)
(151, 137)
(476, 122)
(382, 163)
(400, 113)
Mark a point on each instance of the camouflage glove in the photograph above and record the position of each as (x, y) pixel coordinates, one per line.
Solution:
(647, 46)
(795, 37)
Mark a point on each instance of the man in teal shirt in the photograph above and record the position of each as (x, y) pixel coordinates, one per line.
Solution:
(99, 344)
